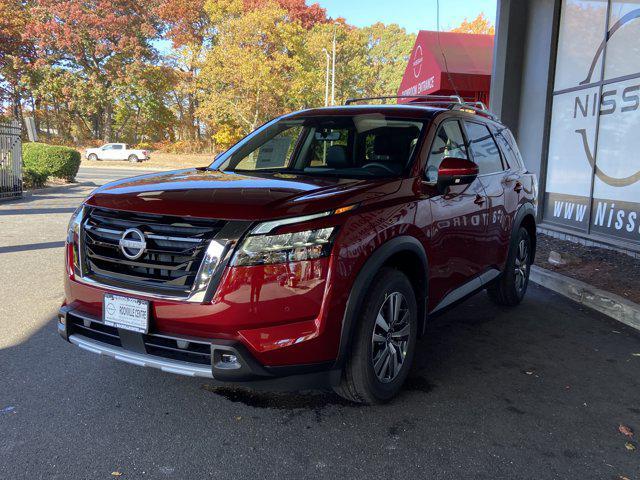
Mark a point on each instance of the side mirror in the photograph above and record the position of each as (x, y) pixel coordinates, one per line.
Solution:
(456, 171)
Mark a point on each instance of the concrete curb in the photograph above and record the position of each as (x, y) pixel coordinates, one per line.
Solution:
(610, 304)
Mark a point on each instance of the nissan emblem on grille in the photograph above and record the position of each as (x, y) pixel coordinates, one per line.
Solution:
(132, 243)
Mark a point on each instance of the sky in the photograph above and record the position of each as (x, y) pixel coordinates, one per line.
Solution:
(413, 15)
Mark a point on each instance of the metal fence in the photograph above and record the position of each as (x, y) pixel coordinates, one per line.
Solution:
(10, 160)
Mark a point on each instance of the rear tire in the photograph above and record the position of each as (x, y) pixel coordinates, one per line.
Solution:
(384, 341)
(133, 159)
(510, 287)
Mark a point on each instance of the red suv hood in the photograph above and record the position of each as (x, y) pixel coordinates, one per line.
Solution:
(230, 196)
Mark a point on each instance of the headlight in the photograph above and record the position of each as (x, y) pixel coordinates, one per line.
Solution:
(283, 248)
(73, 235)
(74, 223)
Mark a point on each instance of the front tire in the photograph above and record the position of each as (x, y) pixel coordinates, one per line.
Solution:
(384, 342)
(510, 287)
(93, 157)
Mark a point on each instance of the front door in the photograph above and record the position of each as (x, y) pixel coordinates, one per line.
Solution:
(457, 222)
(108, 152)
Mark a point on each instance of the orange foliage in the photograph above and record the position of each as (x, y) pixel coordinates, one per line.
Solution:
(479, 25)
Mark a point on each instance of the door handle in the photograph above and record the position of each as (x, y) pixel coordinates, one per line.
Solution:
(518, 187)
(509, 178)
(479, 200)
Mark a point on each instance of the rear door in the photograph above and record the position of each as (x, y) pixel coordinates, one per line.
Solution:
(457, 225)
(493, 173)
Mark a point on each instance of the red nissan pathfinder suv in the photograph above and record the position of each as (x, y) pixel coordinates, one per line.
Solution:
(312, 253)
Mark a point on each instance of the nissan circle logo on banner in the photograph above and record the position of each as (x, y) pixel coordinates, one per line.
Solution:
(132, 243)
(418, 58)
(593, 170)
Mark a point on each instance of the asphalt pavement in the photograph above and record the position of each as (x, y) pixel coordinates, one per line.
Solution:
(534, 392)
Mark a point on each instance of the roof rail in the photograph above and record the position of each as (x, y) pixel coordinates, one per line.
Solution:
(451, 101)
(473, 106)
(428, 98)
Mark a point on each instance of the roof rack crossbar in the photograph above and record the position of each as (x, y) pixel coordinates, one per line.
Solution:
(440, 98)
(451, 101)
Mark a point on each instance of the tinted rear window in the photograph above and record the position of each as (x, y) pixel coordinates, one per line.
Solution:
(483, 148)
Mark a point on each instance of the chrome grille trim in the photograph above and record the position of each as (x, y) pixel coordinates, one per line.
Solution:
(214, 251)
(152, 236)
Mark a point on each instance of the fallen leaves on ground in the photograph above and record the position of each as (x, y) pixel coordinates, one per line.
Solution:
(116, 474)
(630, 446)
(626, 431)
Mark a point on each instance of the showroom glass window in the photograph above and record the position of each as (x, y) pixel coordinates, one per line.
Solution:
(593, 169)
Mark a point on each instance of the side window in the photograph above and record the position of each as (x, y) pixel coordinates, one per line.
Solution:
(514, 146)
(449, 142)
(117, 146)
(507, 149)
(484, 149)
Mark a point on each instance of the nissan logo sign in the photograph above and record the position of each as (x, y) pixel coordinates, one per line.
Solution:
(417, 61)
(132, 243)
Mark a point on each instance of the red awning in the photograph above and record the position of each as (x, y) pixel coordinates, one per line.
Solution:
(467, 58)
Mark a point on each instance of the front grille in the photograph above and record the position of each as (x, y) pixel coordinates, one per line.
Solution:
(174, 250)
(158, 345)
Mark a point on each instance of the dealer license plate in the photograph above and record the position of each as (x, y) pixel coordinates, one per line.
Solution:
(127, 313)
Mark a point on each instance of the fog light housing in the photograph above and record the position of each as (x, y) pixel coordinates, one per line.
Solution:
(229, 358)
(226, 360)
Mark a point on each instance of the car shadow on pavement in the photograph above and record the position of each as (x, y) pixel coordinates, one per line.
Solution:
(36, 211)
(31, 246)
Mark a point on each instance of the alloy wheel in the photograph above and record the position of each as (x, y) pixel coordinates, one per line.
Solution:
(522, 265)
(390, 339)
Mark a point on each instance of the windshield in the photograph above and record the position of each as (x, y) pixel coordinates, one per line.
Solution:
(370, 145)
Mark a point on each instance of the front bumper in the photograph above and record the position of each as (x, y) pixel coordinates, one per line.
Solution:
(223, 361)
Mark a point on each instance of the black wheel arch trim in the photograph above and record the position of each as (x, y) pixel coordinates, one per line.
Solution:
(524, 210)
(366, 275)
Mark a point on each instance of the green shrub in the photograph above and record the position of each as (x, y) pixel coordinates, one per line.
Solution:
(51, 160)
(32, 179)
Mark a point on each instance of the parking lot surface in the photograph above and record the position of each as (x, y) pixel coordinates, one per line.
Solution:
(538, 391)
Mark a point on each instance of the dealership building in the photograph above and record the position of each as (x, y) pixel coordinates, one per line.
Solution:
(566, 80)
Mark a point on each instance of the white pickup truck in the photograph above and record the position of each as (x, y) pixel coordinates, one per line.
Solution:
(116, 151)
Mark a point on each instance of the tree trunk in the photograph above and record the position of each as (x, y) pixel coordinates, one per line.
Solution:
(191, 121)
(17, 105)
(108, 123)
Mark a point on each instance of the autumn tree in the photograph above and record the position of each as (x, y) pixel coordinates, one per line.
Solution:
(307, 15)
(479, 25)
(388, 49)
(16, 54)
(188, 26)
(249, 70)
(97, 40)
(93, 69)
